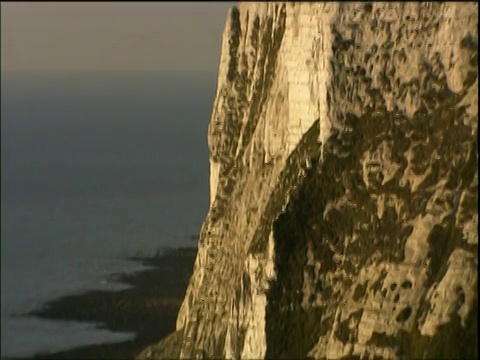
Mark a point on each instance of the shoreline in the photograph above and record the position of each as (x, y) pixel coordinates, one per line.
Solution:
(148, 308)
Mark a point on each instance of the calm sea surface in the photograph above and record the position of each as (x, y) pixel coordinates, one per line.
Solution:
(95, 167)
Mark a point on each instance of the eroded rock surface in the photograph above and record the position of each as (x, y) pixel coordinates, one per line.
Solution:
(344, 187)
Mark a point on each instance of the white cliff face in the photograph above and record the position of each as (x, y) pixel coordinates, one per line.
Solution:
(454, 293)
(343, 184)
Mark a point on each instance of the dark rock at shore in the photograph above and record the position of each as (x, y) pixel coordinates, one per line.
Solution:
(148, 308)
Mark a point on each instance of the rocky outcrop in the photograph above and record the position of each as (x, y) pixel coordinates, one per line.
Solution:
(344, 187)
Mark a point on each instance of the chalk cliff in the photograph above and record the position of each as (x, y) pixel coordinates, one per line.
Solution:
(344, 187)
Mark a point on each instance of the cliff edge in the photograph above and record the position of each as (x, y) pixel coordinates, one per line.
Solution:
(344, 187)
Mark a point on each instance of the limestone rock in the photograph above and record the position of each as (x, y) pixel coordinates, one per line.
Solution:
(344, 188)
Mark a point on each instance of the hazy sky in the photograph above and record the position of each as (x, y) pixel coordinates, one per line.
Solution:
(97, 36)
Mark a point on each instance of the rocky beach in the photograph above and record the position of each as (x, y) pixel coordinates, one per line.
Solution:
(148, 307)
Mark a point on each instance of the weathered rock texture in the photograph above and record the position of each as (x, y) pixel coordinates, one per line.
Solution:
(344, 187)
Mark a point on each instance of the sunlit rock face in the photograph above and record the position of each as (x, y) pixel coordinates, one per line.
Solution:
(344, 187)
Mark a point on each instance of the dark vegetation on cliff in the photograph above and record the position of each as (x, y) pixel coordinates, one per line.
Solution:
(266, 38)
(438, 126)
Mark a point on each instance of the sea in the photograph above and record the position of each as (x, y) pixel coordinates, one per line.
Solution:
(95, 167)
